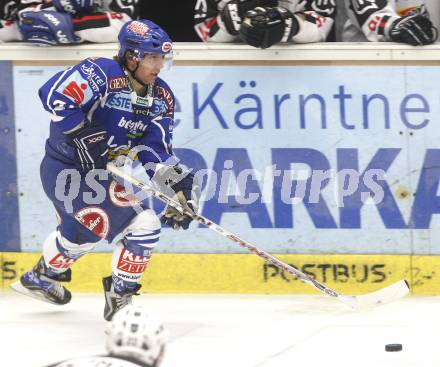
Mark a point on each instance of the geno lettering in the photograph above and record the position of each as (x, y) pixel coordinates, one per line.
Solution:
(118, 84)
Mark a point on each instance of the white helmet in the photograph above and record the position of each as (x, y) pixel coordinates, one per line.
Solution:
(136, 334)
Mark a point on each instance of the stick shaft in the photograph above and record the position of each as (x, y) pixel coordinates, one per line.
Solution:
(224, 232)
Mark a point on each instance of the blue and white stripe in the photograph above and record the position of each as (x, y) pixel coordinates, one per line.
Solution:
(144, 239)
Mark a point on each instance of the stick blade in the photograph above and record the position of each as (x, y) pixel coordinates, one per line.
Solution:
(382, 296)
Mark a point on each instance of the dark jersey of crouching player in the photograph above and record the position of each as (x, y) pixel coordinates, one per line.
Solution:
(263, 23)
(403, 21)
(134, 338)
(103, 109)
(51, 22)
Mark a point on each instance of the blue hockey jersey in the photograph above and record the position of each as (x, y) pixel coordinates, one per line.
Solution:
(97, 90)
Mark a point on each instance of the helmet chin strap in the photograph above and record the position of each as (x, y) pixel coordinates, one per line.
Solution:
(141, 104)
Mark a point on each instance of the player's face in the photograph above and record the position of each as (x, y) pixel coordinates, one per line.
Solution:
(149, 67)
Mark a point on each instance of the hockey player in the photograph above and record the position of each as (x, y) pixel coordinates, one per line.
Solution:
(133, 339)
(263, 23)
(404, 21)
(51, 22)
(101, 109)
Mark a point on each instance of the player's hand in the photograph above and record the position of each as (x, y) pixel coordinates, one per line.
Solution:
(187, 193)
(264, 27)
(234, 10)
(91, 148)
(415, 29)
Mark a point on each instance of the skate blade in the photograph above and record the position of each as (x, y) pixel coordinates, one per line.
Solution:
(18, 287)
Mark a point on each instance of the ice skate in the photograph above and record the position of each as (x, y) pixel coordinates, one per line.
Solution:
(37, 284)
(114, 301)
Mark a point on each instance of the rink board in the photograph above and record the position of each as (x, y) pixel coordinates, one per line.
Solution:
(246, 273)
(282, 130)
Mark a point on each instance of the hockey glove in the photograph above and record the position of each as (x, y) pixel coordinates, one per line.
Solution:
(233, 12)
(415, 29)
(91, 149)
(186, 191)
(46, 27)
(264, 27)
(74, 7)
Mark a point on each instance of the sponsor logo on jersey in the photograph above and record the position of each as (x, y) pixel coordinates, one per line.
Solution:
(139, 28)
(120, 197)
(167, 47)
(95, 219)
(61, 262)
(95, 81)
(120, 101)
(131, 263)
(118, 84)
(165, 95)
(75, 91)
(132, 126)
(76, 88)
(159, 107)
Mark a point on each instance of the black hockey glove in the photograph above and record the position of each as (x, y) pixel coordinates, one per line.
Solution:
(186, 191)
(415, 29)
(91, 149)
(264, 27)
(233, 12)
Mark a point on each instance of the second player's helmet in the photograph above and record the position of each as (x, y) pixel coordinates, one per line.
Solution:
(143, 37)
(134, 333)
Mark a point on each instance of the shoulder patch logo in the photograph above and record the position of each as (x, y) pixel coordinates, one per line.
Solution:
(76, 88)
(75, 91)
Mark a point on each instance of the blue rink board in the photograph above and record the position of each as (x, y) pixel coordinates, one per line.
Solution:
(9, 218)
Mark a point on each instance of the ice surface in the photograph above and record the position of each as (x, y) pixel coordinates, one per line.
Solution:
(231, 331)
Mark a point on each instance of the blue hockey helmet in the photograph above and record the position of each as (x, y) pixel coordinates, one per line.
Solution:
(144, 37)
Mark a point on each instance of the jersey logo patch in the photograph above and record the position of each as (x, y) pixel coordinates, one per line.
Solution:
(95, 219)
(76, 88)
(120, 197)
(75, 91)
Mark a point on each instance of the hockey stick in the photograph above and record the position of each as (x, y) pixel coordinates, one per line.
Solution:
(381, 296)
